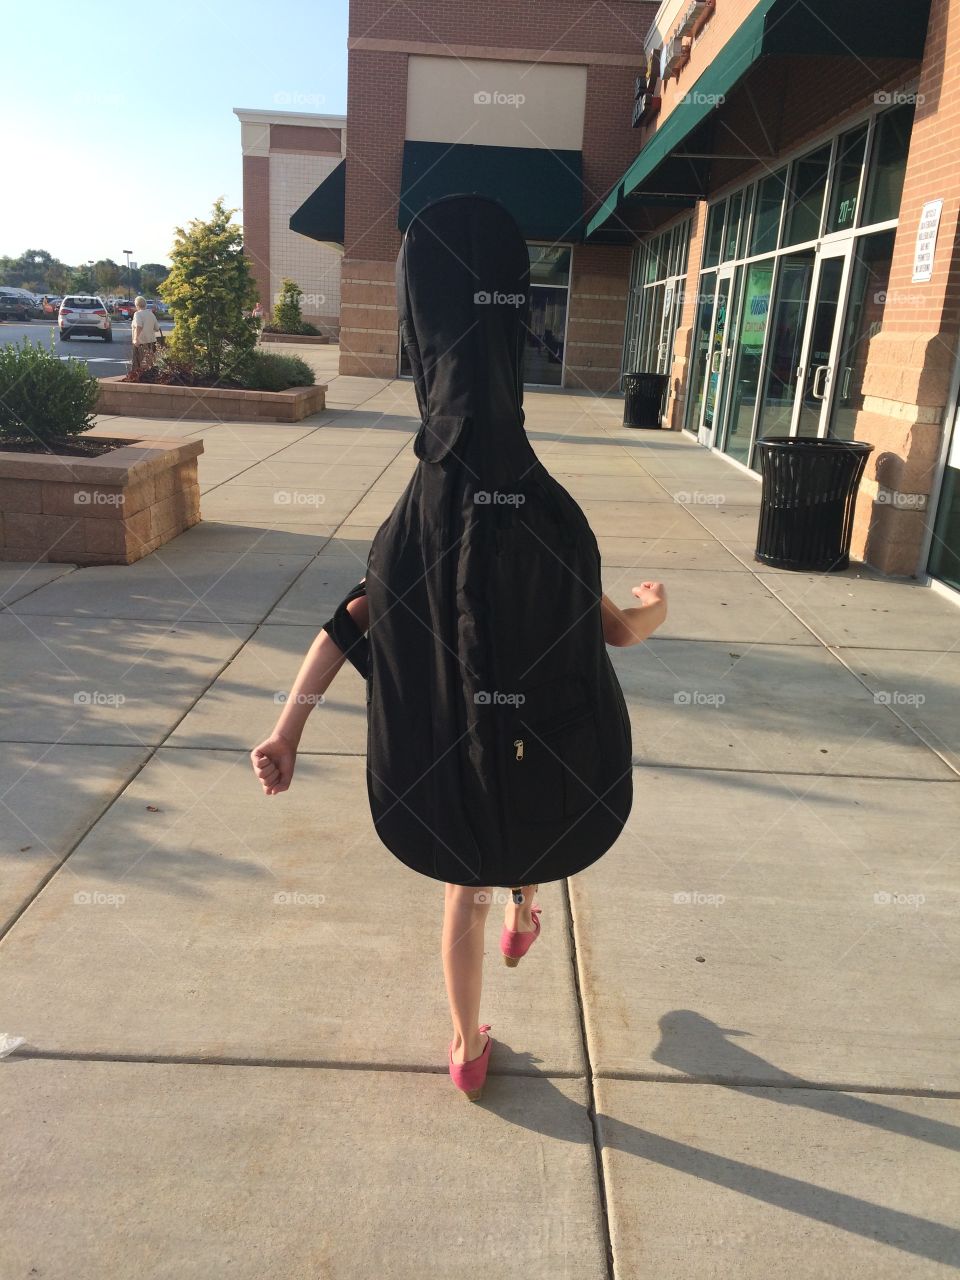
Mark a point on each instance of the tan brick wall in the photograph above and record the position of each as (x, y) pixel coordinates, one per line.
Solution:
(368, 333)
(599, 281)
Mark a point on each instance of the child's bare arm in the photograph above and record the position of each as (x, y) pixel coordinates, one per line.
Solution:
(274, 759)
(631, 626)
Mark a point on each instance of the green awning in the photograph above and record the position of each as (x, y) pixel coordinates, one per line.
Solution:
(542, 189)
(785, 28)
(321, 215)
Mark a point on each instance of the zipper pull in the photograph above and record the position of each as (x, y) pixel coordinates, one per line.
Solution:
(518, 745)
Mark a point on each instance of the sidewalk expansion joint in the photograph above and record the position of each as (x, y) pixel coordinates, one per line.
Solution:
(307, 1064)
(591, 1091)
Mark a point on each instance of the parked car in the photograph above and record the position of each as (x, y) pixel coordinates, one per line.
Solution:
(124, 308)
(16, 306)
(84, 313)
(159, 309)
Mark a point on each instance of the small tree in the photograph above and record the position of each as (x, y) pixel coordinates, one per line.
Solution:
(209, 290)
(287, 315)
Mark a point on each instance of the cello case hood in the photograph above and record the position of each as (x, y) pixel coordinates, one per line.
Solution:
(498, 744)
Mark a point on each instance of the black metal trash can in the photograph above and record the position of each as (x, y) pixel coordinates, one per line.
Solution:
(807, 505)
(643, 397)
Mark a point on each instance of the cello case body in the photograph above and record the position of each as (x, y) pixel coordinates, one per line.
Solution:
(498, 746)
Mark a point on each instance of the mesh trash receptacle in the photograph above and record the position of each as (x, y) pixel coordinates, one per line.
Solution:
(643, 397)
(808, 500)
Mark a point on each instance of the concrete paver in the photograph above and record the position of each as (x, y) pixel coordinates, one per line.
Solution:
(785, 708)
(176, 583)
(49, 796)
(199, 1173)
(744, 1184)
(774, 928)
(264, 931)
(112, 681)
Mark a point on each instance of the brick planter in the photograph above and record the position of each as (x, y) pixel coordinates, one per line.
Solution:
(113, 509)
(208, 404)
(306, 339)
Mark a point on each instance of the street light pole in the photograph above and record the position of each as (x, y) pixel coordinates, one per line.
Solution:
(129, 272)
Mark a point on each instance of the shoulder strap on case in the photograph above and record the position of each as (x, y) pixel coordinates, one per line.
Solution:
(347, 635)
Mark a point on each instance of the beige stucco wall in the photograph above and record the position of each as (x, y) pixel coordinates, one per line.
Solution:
(530, 104)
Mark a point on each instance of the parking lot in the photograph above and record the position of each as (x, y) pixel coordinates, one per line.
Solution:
(104, 358)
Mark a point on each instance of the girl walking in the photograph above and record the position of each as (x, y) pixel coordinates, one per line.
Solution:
(498, 745)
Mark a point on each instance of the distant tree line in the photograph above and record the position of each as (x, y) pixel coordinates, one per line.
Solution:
(40, 272)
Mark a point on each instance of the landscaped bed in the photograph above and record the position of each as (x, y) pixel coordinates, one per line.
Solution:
(210, 367)
(74, 498)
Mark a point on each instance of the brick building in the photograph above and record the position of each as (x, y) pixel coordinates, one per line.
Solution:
(757, 198)
(286, 154)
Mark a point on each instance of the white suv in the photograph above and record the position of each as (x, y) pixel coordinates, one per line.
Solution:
(84, 313)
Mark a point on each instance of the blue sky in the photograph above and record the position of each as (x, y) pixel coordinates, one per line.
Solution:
(97, 169)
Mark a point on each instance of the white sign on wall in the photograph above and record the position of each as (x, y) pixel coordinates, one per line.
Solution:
(926, 241)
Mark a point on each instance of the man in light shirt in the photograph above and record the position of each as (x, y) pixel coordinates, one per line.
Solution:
(145, 329)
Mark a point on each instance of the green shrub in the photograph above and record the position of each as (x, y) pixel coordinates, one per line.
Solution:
(43, 398)
(287, 315)
(264, 371)
(210, 290)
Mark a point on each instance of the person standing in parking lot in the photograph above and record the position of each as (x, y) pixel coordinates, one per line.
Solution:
(145, 330)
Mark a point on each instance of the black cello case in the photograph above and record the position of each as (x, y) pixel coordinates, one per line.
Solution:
(498, 739)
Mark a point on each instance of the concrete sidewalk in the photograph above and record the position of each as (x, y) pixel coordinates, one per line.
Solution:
(732, 1055)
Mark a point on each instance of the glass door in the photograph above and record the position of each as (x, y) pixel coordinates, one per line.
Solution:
(718, 351)
(945, 548)
(815, 380)
(869, 278)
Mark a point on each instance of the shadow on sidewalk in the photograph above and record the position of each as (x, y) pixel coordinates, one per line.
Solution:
(687, 1041)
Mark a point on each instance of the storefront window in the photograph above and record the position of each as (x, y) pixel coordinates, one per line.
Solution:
(714, 240)
(749, 357)
(549, 264)
(786, 341)
(654, 312)
(846, 183)
(808, 186)
(731, 239)
(766, 220)
(888, 164)
(700, 351)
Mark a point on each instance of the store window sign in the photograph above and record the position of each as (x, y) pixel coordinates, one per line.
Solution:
(755, 309)
(927, 241)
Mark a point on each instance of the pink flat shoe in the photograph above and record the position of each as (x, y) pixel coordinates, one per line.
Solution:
(515, 943)
(470, 1077)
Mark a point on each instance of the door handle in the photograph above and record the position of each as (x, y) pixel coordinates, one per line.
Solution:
(715, 362)
(818, 393)
(845, 390)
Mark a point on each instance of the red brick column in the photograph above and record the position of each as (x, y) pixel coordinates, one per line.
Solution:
(683, 342)
(256, 222)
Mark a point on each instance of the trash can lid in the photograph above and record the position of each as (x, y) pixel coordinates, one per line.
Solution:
(815, 445)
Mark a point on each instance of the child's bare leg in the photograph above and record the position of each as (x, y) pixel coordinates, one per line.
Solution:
(519, 917)
(464, 917)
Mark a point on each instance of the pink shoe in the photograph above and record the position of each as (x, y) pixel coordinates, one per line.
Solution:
(469, 1077)
(515, 943)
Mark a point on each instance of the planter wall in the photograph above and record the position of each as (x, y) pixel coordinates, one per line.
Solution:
(113, 509)
(208, 404)
(303, 339)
